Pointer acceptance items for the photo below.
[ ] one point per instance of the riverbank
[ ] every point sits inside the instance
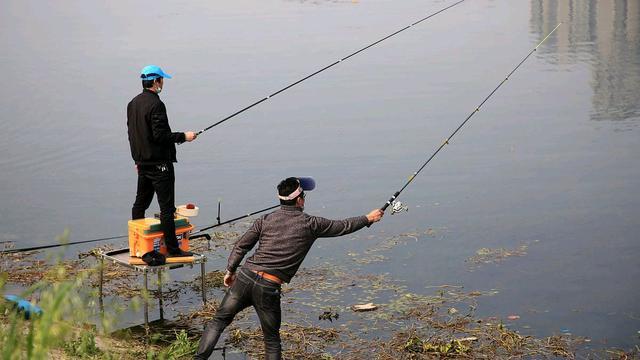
(318, 319)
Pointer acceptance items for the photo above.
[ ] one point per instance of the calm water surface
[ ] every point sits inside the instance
(550, 161)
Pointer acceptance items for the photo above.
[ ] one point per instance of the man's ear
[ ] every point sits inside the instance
(299, 201)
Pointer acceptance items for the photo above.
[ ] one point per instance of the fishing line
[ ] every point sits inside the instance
(327, 67)
(42, 247)
(477, 109)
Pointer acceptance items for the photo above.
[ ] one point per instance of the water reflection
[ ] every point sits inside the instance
(606, 34)
(320, 2)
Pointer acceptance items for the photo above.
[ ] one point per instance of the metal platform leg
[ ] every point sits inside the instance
(160, 294)
(100, 301)
(146, 303)
(204, 291)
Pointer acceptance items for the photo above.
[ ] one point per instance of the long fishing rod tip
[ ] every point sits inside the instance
(329, 66)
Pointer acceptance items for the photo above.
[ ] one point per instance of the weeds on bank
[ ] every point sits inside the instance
(82, 347)
(302, 342)
(66, 292)
(61, 288)
(63, 309)
(61, 328)
(182, 346)
(412, 326)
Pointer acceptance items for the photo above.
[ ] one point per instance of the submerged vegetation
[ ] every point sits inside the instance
(320, 320)
(495, 256)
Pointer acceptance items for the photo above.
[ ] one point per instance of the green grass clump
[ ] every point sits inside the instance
(83, 347)
(181, 347)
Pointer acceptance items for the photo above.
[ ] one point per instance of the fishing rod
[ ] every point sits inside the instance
(42, 247)
(235, 219)
(477, 109)
(327, 67)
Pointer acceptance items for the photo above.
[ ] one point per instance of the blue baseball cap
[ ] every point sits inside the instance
(307, 183)
(152, 72)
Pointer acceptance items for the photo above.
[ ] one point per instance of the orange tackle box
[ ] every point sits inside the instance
(146, 235)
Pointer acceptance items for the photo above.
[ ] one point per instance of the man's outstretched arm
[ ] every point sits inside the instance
(329, 228)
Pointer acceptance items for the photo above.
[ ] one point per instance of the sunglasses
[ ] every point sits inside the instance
(150, 76)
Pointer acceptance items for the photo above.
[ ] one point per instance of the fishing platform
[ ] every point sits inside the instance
(122, 258)
(146, 236)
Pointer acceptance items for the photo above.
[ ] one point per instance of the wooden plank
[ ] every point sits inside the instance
(170, 260)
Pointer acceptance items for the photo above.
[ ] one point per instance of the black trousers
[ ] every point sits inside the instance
(158, 179)
(248, 289)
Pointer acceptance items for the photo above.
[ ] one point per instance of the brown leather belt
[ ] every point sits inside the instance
(269, 277)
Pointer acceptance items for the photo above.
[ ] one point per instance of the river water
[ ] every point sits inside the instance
(550, 161)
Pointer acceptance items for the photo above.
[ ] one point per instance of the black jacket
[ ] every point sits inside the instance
(150, 136)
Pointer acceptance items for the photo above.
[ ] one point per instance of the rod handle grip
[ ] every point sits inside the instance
(386, 205)
(197, 133)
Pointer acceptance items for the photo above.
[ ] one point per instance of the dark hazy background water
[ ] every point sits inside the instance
(552, 157)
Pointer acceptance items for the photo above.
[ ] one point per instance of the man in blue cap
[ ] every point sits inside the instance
(284, 238)
(153, 149)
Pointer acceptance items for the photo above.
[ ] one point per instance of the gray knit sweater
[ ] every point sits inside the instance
(284, 238)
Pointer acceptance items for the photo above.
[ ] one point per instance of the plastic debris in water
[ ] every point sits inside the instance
(364, 307)
(397, 207)
(469, 338)
(24, 306)
(513, 317)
